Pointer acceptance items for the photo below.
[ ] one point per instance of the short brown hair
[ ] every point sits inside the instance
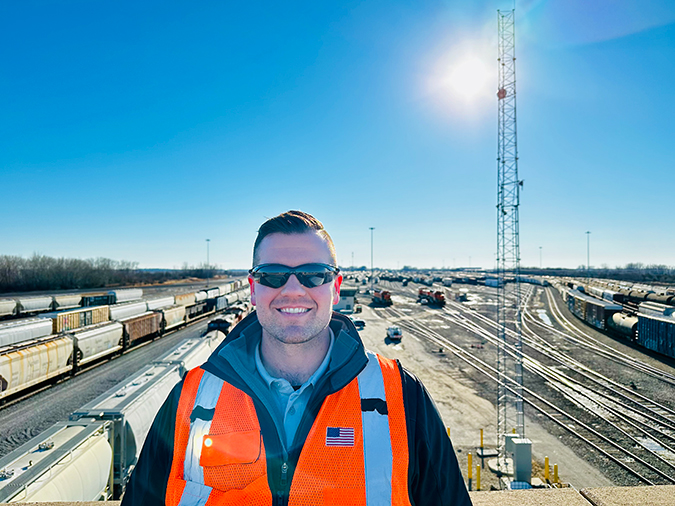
(293, 222)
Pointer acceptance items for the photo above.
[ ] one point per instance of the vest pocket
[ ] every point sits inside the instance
(344, 497)
(243, 447)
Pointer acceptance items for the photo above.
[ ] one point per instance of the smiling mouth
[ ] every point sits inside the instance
(293, 310)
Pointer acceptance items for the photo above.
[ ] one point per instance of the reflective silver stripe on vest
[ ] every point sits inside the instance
(377, 453)
(195, 492)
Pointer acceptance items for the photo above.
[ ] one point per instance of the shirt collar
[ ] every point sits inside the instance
(312, 379)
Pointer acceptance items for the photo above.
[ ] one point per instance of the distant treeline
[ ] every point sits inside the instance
(41, 272)
(633, 272)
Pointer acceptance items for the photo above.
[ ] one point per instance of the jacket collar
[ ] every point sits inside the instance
(234, 360)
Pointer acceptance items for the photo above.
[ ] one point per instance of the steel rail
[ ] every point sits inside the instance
(483, 367)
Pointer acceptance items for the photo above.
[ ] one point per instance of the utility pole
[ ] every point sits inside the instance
(208, 267)
(508, 235)
(371, 259)
(588, 254)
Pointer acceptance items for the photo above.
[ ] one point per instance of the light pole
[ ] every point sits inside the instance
(588, 253)
(371, 259)
(208, 271)
(540, 257)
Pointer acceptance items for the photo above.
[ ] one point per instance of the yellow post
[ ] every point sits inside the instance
(448, 431)
(477, 477)
(514, 430)
(555, 473)
(546, 472)
(470, 469)
(481, 439)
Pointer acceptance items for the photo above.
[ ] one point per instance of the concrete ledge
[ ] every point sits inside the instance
(532, 497)
(605, 496)
(663, 495)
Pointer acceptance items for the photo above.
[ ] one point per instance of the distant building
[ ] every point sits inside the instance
(347, 299)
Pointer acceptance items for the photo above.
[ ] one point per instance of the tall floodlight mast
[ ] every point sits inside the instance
(508, 242)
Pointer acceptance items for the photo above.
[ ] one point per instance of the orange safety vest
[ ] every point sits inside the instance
(356, 452)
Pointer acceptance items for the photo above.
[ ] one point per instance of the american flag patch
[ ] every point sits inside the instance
(339, 436)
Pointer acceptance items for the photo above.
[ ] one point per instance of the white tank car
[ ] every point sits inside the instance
(22, 366)
(67, 301)
(132, 406)
(194, 351)
(173, 316)
(27, 329)
(31, 304)
(160, 303)
(97, 341)
(71, 461)
(7, 307)
(127, 310)
(127, 294)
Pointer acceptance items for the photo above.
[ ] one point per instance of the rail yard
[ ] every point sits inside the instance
(601, 396)
(598, 404)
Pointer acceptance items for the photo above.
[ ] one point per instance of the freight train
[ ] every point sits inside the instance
(382, 298)
(623, 294)
(34, 351)
(91, 456)
(431, 297)
(649, 325)
(30, 305)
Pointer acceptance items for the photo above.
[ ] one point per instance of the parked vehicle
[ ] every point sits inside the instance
(359, 324)
(394, 333)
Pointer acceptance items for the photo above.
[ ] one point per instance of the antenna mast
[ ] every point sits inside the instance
(508, 241)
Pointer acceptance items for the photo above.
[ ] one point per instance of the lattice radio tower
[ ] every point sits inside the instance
(508, 241)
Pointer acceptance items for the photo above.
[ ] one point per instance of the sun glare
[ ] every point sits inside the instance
(462, 80)
(469, 78)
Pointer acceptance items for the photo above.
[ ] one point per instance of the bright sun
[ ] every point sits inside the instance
(469, 78)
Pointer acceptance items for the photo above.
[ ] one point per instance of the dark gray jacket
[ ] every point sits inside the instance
(433, 474)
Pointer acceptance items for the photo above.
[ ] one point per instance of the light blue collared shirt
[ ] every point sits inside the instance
(290, 403)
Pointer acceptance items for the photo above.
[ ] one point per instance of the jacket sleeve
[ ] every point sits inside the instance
(148, 481)
(434, 477)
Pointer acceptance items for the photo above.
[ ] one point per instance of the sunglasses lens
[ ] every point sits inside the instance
(273, 280)
(309, 275)
(314, 279)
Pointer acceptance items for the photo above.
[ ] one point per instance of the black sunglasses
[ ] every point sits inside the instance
(309, 275)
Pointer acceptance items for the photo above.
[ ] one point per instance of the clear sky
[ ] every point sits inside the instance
(137, 130)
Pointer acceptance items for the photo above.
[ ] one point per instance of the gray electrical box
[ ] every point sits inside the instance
(508, 442)
(522, 459)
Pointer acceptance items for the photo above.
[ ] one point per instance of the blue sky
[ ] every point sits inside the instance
(136, 130)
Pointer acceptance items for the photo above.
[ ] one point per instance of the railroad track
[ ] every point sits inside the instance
(634, 437)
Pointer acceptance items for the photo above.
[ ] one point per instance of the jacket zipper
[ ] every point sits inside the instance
(283, 494)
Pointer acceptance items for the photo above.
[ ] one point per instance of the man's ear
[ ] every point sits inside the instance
(336, 285)
(251, 285)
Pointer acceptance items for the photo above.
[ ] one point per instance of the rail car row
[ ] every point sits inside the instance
(90, 456)
(630, 418)
(36, 351)
(649, 324)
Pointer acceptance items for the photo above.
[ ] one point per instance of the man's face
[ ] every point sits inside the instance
(294, 313)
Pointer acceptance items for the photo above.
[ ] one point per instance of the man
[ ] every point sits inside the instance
(291, 408)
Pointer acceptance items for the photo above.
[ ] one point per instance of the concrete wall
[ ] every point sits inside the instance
(607, 496)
